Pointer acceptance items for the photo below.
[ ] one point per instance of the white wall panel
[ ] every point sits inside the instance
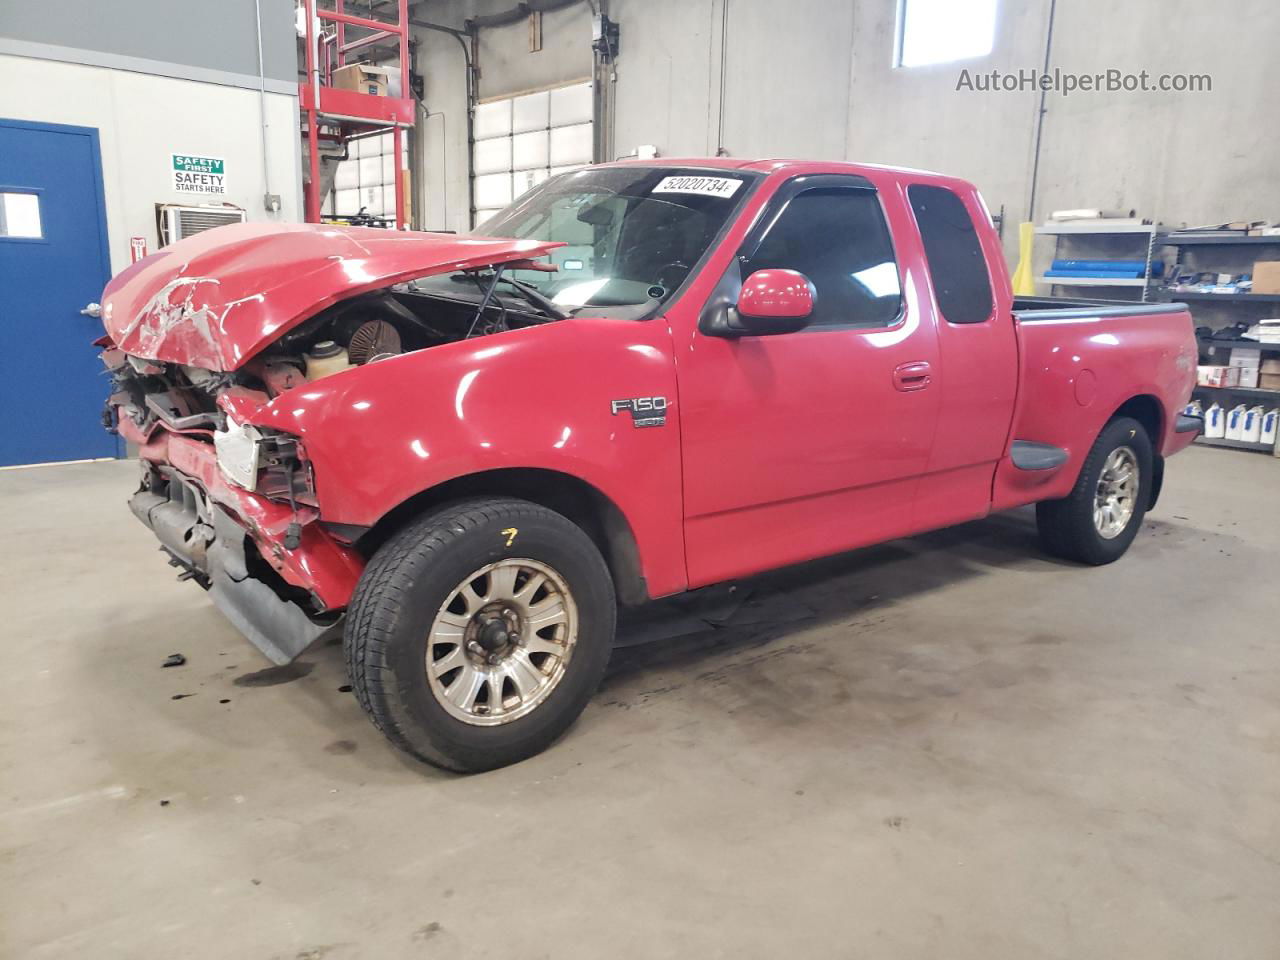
(493, 155)
(493, 190)
(551, 127)
(571, 105)
(531, 112)
(492, 119)
(571, 145)
(529, 150)
(137, 170)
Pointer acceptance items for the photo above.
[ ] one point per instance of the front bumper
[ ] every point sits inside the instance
(232, 542)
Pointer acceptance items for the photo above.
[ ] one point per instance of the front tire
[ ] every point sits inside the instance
(478, 633)
(1098, 520)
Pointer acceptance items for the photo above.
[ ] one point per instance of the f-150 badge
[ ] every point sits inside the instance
(645, 411)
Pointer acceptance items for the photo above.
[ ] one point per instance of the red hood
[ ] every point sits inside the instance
(216, 299)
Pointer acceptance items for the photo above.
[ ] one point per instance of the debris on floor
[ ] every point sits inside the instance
(174, 660)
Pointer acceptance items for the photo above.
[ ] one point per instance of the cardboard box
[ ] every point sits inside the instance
(364, 78)
(1218, 376)
(1270, 365)
(1269, 381)
(1266, 276)
(1248, 362)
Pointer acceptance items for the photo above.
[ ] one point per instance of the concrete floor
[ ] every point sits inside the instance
(948, 746)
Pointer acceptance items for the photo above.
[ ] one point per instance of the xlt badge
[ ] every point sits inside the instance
(645, 411)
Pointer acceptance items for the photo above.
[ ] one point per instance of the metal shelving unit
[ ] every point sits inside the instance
(1167, 240)
(1099, 229)
(1234, 444)
(1198, 295)
(1181, 243)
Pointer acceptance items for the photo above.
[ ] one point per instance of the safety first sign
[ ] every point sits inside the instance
(204, 175)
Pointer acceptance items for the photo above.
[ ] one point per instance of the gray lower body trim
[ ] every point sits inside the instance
(1188, 424)
(1031, 309)
(157, 68)
(1028, 455)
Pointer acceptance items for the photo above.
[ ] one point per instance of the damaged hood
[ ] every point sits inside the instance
(216, 299)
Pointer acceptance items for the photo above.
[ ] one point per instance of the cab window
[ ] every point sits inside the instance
(961, 283)
(838, 238)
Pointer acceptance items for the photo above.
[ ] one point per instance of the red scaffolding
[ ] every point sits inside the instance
(350, 114)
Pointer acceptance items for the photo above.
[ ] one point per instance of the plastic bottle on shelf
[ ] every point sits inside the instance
(1267, 431)
(1235, 422)
(1215, 421)
(1251, 430)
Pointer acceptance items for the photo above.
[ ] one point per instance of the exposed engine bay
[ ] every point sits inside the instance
(352, 333)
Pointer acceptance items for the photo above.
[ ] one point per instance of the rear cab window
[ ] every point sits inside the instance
(961, 281)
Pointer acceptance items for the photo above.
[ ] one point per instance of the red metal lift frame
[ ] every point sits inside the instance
(319, 100)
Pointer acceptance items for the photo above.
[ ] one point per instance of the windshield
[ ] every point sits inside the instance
(633, 233)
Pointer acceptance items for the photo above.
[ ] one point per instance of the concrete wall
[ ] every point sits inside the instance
(142, 120)
(214, 38)
(815, 78)
(158, 77)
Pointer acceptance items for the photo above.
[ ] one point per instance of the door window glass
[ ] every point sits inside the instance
(959, 270)
(20, 215)
(838, 238)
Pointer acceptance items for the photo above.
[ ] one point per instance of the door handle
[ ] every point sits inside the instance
(912, 376)
(92, 310)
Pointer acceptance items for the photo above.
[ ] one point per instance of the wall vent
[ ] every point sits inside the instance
(176, 222)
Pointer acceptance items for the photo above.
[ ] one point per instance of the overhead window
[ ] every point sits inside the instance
(961, 282)
(365, 183)
(837, 237)
(940, 31)
(522, 141)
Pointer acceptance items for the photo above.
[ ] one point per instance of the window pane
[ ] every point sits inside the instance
(492, 119)
(571, 105)
(20, 215)
(939, 31)
(571, 145)
(837, 238)
(492, 156)
(960, 281)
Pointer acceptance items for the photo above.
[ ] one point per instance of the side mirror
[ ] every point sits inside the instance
(775, 301)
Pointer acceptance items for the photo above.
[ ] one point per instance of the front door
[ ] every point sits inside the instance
(53, 263)
(803, 444)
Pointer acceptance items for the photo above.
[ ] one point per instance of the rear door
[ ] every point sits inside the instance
(979, 353)
(804, 444)
(53, 263)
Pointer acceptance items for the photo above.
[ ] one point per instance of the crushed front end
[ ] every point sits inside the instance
(205, 341)
(232, 505)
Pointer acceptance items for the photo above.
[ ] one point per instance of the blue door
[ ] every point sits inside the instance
(53, 264)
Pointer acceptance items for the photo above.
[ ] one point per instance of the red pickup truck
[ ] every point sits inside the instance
(640, 378)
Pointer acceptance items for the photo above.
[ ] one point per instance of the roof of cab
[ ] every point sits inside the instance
(782, 165)
(774, 165)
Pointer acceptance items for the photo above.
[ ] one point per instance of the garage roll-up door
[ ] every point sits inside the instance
(522, 140)
(367, 181)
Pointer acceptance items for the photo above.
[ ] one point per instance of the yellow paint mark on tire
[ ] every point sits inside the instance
(510, 534)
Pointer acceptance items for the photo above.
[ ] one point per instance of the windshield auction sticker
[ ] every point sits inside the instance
(702, 186)
(199, 174)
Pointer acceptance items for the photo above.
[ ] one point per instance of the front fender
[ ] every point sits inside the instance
(540, 397)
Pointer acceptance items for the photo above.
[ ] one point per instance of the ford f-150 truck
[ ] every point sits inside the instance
(640, 378)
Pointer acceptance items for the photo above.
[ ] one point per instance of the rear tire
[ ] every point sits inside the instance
(1098, 520)
(529, 601)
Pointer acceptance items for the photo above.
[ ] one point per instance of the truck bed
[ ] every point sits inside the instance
(1081, 362)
